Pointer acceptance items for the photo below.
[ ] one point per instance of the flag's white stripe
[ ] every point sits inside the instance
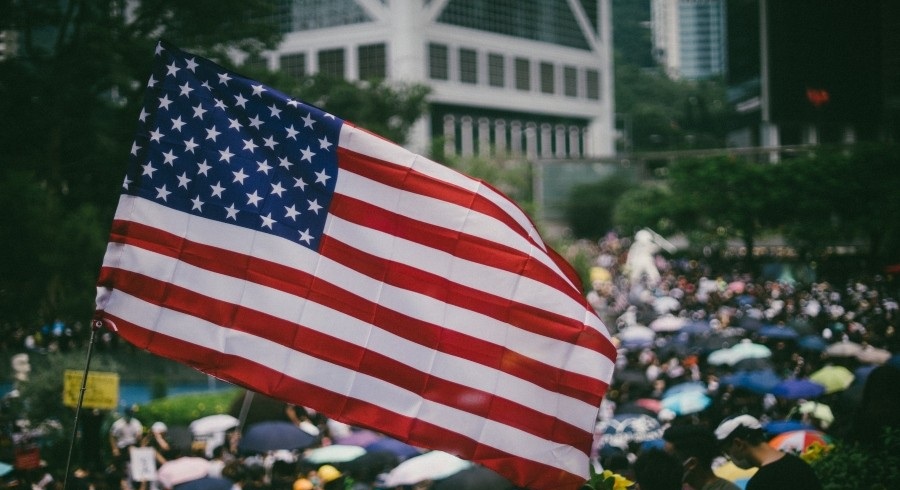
(323, 319)
(362, 142)
(347, 382)
(241, 240)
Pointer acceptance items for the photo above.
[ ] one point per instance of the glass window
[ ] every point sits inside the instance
(496, 73)
(468, 66)
(570, 81)
(438, 62)
(372, 61)
(592, 84)
(548, 76)
(331, 62)
(523, 74)
(294, 65)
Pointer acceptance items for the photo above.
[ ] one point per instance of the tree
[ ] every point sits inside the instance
(589, 209)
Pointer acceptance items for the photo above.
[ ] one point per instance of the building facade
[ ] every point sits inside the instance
(527, 77)
(689, 38)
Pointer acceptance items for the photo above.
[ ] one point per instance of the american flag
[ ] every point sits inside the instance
(275, 246)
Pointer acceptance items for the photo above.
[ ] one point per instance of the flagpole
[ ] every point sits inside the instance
(95, 325)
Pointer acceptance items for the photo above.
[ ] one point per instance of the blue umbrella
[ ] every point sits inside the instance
(779, 332)
(687, 402)
(797, 388)
(268, 436)
(756, 381)
(814, 343)
(692, 386)
(696, 327)
(398, 448)
(781, 426)
(206, 483)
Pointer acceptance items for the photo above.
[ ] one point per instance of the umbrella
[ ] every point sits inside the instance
(797, 441)
(873, 355)
(812, 343)
(687, 402)
(818, 411)
(738, 352)
(757, 364)
(475, 477)
(779, 332)
(182, 470)
(690, 386)
(665, 304)
(359, 437)
(756, 381)
(696, 327)
(206, 483)
(399, 448)
(367, 467)
(273, 435)
(213, 424)
(335, 453)
(668, 323)
(623, 429)
(844, 348)
(732, 473)
(797, 388)
(833, 378)
(636, 336)
(432, 465)
(781, 426)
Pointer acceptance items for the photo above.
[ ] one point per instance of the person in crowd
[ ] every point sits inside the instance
(743, 440)
(656, 469)
(696, 447)
(124, 433)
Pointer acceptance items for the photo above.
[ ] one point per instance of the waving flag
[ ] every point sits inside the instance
(275, 246)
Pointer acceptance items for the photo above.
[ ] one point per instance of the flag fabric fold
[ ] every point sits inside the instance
(273, 245)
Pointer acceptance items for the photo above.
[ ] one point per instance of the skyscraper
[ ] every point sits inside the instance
(689, 37)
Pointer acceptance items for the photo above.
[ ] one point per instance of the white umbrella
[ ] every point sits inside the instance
(668, 323)
(182, 470)
(213, 424)
(432, 465)
(335, 453)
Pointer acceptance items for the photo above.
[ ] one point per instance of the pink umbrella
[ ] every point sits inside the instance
(182, 470)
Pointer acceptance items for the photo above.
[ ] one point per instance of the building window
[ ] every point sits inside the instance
(372, 62)
(438, 62)
(496, 73)
(256, 63)
(294, 65)
(468, 66)
(570, 81)
(548, 75)
(331, 62)
(523, 74)
(592, 84)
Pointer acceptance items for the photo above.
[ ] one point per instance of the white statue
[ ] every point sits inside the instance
(641, 259)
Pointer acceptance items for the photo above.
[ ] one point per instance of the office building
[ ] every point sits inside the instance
(689, 38)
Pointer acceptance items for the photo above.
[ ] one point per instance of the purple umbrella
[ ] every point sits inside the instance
(793, 389)
(359, 437)
(399, 448)
(263, 437)
(756, 381)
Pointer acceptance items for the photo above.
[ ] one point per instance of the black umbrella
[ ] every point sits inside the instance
(263, 437)
(367, 467)
(476, 477)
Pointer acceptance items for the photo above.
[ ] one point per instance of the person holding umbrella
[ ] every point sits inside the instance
(742, 439)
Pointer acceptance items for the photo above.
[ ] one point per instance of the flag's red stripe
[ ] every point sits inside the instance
(409, 180)
(467, 247)
(352, 411)
(292, 281)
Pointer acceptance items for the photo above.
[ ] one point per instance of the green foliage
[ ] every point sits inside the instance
(511, 177)
(648, 205)
(183, 409)
(589, 209)
(854, 467)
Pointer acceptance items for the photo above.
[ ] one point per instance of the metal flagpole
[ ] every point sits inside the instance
(95, 325)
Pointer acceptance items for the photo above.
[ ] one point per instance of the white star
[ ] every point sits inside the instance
(276, 112)
(183, 180)
(305, 236)
(198, 204)
(283, 162)
(206, 85)
(172, 69)
(264, 167)
(329, 116)
(159, 48)
(177, 123)
(217, 189)
(314, 206)
(169, 158)
(224, 78)
(324, 144)
(232, 212)
(239, 176)
(307, 154)
(164, 102)
(291, 212)
(191, 64)
(258, 90)
(126, 182)
(143, 115)
(253, 199)
(155, 135)
(255, 122)
(148, 169)
(277, 189)
(198, 111)
(249, 145)
(186, 89)
(269, 142)
(225, 155)
(152, 82)
(234, 124)
(204, 168)
(293, 103)
(308, 121)
(211, 133)
(189, 145)
(240, 100)
(134, 148)
(300, 183)
(322, 177)
(219, 104)
(267, 221)
(291, 132)
(162, 193)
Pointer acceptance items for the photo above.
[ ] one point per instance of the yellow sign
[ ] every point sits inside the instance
(101, 390)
